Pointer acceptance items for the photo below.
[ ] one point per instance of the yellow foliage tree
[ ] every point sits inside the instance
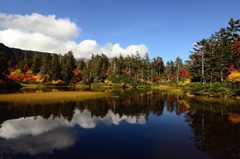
(17, 72)
(186, 82)
(107, 81)
(234, 77)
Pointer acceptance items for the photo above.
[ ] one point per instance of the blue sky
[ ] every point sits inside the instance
(162, 28)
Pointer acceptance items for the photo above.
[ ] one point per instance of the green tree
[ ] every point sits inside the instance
(3, 65)
(199, 57)
(68, 65)
(43, 67)
(120, 65)
(36, 64)
(168, 69)
(146, 66)
(222, 54)
(56, 69)
(233, 29)
(158, 65)
(179, 65)
(81, 65)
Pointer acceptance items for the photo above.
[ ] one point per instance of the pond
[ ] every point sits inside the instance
(128, 124)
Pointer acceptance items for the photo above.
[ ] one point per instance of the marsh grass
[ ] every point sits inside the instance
(217, 100)
(50, 97)
(174, 90)
(27, 86)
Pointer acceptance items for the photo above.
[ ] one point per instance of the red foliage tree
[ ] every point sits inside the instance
(129, 75)
(184, 74)
(124, 71)
(25, 67)
(157, 79)
(232, 69)
(77, 76)
(236, 48)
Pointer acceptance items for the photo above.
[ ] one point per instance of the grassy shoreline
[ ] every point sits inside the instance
(170, 89)
(50, 97)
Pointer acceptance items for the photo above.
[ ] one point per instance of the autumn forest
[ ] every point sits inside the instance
(213, 68)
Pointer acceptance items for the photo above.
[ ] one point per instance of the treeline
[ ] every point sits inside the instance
(211, 61)
(121, 69)
(132, 69)
(97, 69)
(49, 66)
(214, 58)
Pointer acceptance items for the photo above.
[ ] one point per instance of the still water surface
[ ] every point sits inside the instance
(130, 124)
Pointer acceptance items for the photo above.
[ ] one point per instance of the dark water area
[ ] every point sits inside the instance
(129, 124)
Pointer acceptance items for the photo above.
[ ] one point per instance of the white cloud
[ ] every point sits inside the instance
(48, 34)
(47, 25)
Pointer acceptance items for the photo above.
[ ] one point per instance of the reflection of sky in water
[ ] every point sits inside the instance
(59, 138)
(172, 130)
(34, 136)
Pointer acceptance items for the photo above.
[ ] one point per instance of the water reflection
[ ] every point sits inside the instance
(55, 139)
(37, 125)
(43, 129)
(216, 128)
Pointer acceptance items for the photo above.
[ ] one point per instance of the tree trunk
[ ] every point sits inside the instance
(129, 69)
(114, 67)
(211, 79)
(152, 77)
(148, 72)
(178, 73)
(221, 75)
(203, 77)
(159, 71)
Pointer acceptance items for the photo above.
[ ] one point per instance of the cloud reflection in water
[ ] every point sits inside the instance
(50, 134)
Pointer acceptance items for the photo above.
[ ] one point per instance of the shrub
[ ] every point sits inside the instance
(142, 83)
(113, 79)
(192, 91)
(86, 82)
(197, 86)
(123, 79)
(206, 86)
(216, 87)
(225, 83)
(17, 72)
(236, 92)
(119, 79)
(133, 82)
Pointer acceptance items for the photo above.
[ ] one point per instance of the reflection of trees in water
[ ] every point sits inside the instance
(14, 111)
(129, 103)
(215, 127)
(213, 134)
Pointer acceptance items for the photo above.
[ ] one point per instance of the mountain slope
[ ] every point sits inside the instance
(17, 52)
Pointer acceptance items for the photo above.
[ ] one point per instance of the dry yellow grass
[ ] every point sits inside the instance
(164, 87)
(170, 89)
(50, 97)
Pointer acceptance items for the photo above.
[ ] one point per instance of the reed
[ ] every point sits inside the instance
(50, 97)
(218, 100)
